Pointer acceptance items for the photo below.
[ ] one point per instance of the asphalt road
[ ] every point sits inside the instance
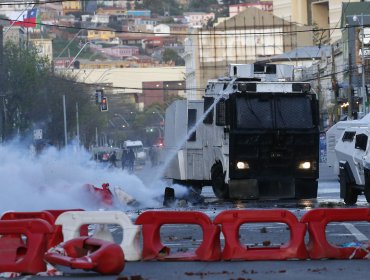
(185, 238)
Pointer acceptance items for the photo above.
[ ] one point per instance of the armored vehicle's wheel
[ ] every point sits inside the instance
(367, 192)
(367, 184)
(220, 188)
(348, 193)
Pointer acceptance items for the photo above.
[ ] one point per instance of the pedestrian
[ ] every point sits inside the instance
(113, 159)
(124, 158)
(153, 155)
(131, 159)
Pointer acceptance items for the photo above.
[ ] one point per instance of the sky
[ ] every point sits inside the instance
(55, 179)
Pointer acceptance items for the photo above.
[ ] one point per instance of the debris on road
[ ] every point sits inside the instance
(123, 197)
(263, 230)
(169, 197)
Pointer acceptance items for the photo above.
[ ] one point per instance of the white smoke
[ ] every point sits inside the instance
(55, 179)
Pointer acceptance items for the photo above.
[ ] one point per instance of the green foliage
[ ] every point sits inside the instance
(232, 2)
(34, 98)
(201, 6)
(171, 55)
(320, 37)
(161, 6)
(72, 50)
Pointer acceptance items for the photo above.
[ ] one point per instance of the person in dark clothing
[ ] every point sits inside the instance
(124, 158)
(113, 159)
(131, 159)
(153, 155)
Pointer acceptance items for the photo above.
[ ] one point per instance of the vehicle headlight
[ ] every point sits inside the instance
(242, 165)
(304, 165)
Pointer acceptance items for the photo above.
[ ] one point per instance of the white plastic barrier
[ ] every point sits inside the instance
(72, 221)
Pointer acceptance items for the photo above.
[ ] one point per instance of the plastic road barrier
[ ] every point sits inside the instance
(15, 255)
(58, 234)
(48, 215)
(29, 215)
(151, 221)
(318, 246)
(234, 250)
(53, 239)
(72, 221)
(86, 253)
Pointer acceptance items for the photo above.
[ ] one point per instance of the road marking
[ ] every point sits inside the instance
(358, 234)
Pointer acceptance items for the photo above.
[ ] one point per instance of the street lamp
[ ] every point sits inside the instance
(363, 90)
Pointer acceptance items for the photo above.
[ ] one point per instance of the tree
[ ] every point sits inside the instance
(320, 37)
(232, 2)
(161, 7)
(201, 6)
(171, 55)
(33, 98)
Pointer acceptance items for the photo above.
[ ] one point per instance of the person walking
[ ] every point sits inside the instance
(153, 155)
(124, 158)
(131, 159)
(113, 159)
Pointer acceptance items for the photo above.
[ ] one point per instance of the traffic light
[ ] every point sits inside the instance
(99, 94)
(104, 104)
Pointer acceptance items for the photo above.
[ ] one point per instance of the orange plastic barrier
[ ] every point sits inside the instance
(16, 255)
(232, 220)
(318, 247)
(151, 221)
(86, 253)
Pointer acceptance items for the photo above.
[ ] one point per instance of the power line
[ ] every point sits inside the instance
(210, 33)
(350, 70)
(13, 3)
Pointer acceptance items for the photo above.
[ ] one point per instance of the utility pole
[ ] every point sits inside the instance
(96, 137)
(350, 97)
(65, 120)
(319, 89)
(363, 90)
(77, 125)
(334, 84)
(2, 94)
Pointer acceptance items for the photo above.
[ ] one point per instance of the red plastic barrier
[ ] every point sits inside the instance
(318, 247)
(234, 250)
(86, 253)
(29, 215)
(15, 255)
(151, 221)
(50, 216)
(53, 239)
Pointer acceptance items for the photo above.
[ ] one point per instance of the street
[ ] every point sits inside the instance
(180, 237)
(183, 238)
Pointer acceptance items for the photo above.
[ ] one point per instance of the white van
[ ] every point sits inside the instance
(137, 147)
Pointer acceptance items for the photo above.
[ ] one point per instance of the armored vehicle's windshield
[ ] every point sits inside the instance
(273, 112)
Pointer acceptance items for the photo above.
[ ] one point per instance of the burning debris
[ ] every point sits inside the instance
(191, 196)
(105, 197)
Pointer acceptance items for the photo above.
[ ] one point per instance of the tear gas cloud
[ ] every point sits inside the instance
(55, 178)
